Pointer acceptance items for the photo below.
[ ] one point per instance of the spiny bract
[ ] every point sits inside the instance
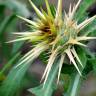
(57, 34)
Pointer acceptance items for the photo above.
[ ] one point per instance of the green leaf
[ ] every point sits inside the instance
(82, 55)
(1, 13)
(12, 83)
(38, 2)
(4, 46)
(5, 23)
(75, 81)
(53, 10)
(93, 62)
(75, 77)
(81, 13)
(15, 77)
(8, 65)
(17, 7)
(16, 47)
(49, 87)
(68, 69)
(90, 29)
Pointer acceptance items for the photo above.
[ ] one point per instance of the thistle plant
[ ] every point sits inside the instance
(58, 34)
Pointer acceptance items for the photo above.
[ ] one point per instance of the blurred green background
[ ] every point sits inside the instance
(11, 52)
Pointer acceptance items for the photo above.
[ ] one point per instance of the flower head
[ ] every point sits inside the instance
(57, 34)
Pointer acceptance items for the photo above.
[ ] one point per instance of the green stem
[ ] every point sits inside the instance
(75, 77)
(75, 85)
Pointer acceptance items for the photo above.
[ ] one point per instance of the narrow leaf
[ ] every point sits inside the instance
(49, 87)
(37, 10)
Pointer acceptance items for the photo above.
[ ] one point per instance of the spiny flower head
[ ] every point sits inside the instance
(57, 34)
